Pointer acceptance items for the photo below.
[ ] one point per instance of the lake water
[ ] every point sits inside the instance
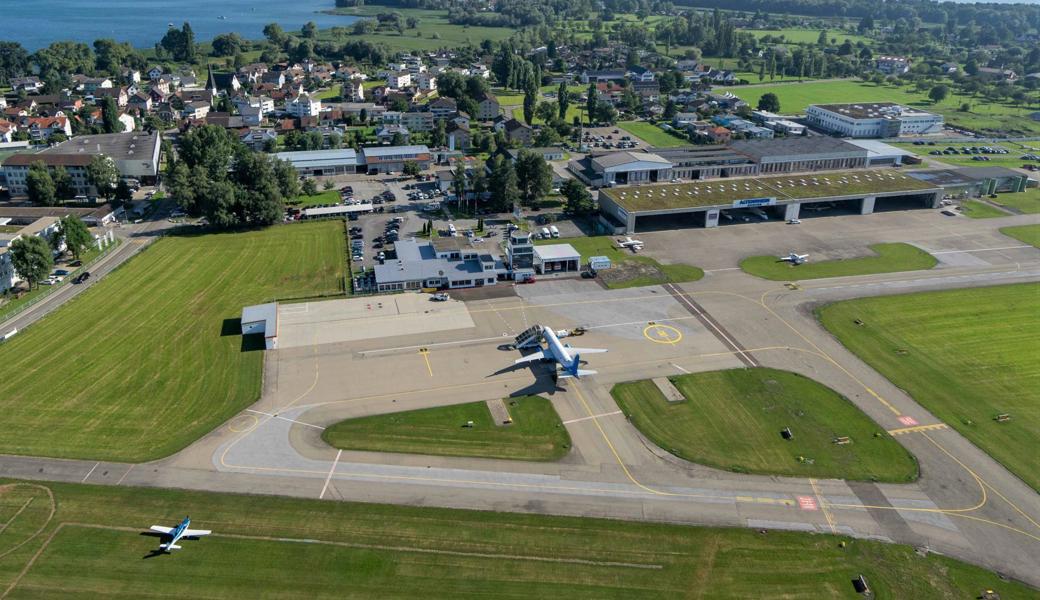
(37, 23)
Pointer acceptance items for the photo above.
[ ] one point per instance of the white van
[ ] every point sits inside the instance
(545, 233)
(451, 230)
(554, 231)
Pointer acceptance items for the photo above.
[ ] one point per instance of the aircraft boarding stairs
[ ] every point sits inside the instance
(529, 338)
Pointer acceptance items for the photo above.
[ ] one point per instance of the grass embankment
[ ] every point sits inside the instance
(627, 270)
(985, 116)
(1027, 234)
(890, 258)
(433, 32)
(978, 209)
(291, 547)
(965, 355)
(535, 434)
(151, 357)
(1027, 202)
(652, 134)
(732, 420)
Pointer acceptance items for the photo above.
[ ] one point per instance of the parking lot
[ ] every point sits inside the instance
(611, 138)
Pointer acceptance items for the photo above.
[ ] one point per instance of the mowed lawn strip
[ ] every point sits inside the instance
(1027, 202)
(1027, 234)
(406, 552)
(890, 258)
(150, 358)
(977, 209)
(733, 420)
(653, 272)
(965, 355)
(536, 432)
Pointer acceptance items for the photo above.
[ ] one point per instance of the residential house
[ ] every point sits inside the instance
(16, 170)
(354, 90)
(518, 131)
(443, 108)
(458, 137)
(196, 110)
(386, 133)
(119, 94)
(304, 105)
(718, 134)
(641, 74)
(648, 91)
(30, 85)
(140, 102)
(275, 78)
(165, 112)
(992, 74)
(130, 76)
(949, 68)
(252, 72)
(603, 76)
(418, 120)
(399, 80)
(892, 65)
(461, 119)
(252, 116)
(7, 131)
(426, 82)
(257, 139)
(155, 73)
(41, 128)
(488, 107)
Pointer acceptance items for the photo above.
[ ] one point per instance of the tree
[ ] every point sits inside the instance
(310, 187)
(275, 34)
(75, 234)
(411, 168)
(591, 103)
(938, 93)
(123, 194)
(110, 115)
(63, 188)
(112, 56)
(821, 40)
(769, 102)
(102, 174)
(563, 100)
(210, 147)
(529, 102)
(533, 177)
(32, 259)
(309, 30)
(228, 44)
(40, 185)
(546, 111)
(14, 60)
(503, 184)
(287, 179)
(458, 182)
(328, 185)
(579, 200)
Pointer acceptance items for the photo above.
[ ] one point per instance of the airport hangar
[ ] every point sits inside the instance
(624, 210)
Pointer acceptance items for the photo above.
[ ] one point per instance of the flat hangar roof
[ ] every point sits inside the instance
(724, 192)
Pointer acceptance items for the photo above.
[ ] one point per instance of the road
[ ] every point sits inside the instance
(965, 504)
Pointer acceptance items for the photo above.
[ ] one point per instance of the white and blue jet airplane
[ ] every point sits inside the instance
(567, 357)
(177, 533)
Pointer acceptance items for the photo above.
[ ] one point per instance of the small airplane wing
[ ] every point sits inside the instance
(540, 355)
(161, 529)
(585, 350)
(196, 532)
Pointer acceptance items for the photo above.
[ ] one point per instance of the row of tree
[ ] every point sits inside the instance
(32, 257)
(49, 186)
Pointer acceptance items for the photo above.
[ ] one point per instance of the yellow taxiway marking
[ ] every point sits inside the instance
(823, 507)
(905, 430)
(662, 334)
(426, 356)
(246, 423)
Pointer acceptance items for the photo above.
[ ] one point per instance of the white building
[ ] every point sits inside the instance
(426, 82)
(304, 105)
(873, 120)
(42, 227)
(892, 65)
(398, 80)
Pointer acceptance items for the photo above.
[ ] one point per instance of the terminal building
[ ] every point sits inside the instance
(873, 120)
(711, 203)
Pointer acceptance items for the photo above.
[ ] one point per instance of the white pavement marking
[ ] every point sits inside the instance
(719, 270)
(285, 419)
(609, 414)
(680, 368)
(418, 346)
(681, 297)
(125, 474)
(89, 472)
(983, 249)
(325, 487)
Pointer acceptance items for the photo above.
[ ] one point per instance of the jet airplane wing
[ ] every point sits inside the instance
(540, 355)
(161, 529)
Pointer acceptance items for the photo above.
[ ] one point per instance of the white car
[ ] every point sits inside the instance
(794, 222)
(440, 297)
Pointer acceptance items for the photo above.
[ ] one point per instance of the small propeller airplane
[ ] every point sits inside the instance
(628, 242)
(177, 533)
(794, 258)
(566, 357)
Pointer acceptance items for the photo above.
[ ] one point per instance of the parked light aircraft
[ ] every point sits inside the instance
(795, 258)
(177, 533)
(628, 242)
(568, 358)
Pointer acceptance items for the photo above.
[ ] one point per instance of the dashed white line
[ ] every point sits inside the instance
(89, 472)
(609, 414)
(125, 474)
(325, 487)
(982, 249)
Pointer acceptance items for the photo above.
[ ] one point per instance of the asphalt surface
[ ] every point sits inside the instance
(964, 504)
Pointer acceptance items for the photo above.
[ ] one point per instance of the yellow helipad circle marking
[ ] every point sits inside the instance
(245, 423)
(662, 334)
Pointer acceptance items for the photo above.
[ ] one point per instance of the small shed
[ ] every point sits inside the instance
(556, 258)
(262, 319)
(598, 263)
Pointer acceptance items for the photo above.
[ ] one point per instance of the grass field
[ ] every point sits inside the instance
(1027, 202)
(977, 209)
(536, 432)
(1011, 160)
(732, 420)
(1028, 234)
(890, 258)
(323, 197)
(8, 309)
(434, 30)
(150, 358)
(797, 35)
(332, 92)
(628, 270)
(965, 355)
(652, 134)
(983, 116)
(291, 548)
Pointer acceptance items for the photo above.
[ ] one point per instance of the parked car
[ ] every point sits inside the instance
(85, 275)
(440, 297)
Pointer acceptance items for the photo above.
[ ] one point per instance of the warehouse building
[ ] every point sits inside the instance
(974, 181)
(671, 206)
(620, 168)
(801, 154)
(706, 162)
(135, 153)
(391, 159)
(873, 120)
(322, 162)
(556, 258)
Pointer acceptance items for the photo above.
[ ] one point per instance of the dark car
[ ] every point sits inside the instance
(85, 275)
(590, 274)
